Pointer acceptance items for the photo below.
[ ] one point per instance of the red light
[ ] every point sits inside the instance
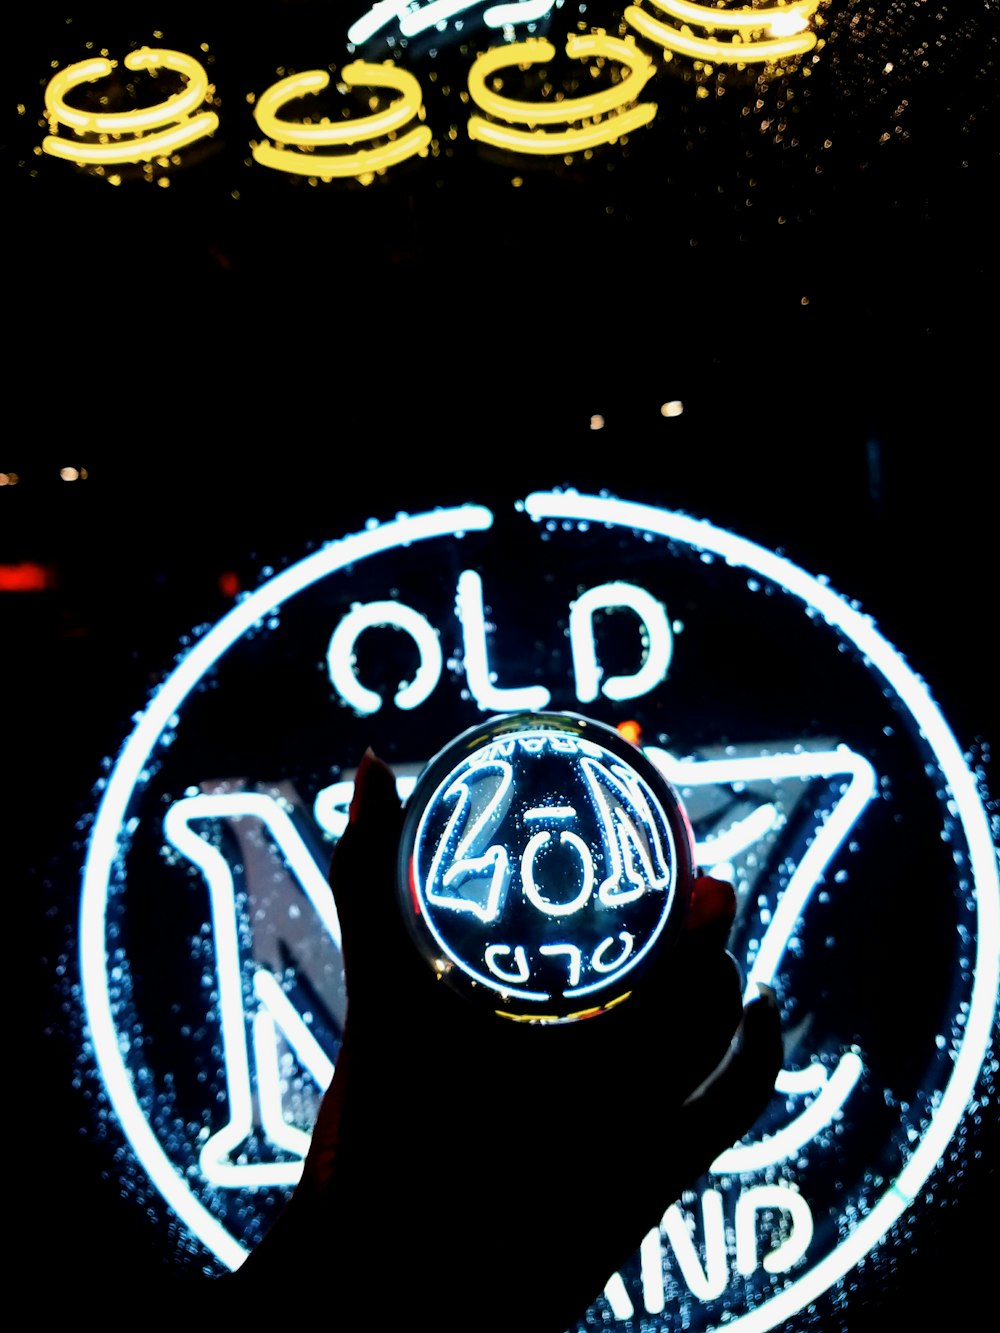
(229, 583)
(631, 731)
(27, 577)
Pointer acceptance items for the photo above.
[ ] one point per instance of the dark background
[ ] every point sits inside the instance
(256, 365)
(130, 585)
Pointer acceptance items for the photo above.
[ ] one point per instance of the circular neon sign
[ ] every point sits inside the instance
(826, 806)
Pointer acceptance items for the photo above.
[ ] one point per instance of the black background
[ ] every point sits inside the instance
(256, 373)
(130, 587)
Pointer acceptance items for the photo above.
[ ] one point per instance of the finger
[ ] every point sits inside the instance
(712, 906)
(362, 870)
(380, 960)
(706, 978)
(737, 1092)
(393, 994)
(714, 1117)
(375, 791)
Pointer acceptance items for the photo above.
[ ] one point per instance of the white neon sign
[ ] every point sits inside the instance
(274, 1008)
(413, 20)
(849, 778)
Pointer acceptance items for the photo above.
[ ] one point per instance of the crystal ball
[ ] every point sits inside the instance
(545, 861)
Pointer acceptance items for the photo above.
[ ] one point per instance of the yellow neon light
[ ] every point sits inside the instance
(567, 1018)
(569, 141)
(326, 165)
(142, 149)
(735, 52)
(536, 50)
(126, 122)
(363, 162)
(399, 113)
(782, 20)
(172, 118)
(604, 108)
(601, 117)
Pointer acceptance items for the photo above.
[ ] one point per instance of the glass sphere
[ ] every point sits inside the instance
(545, 861)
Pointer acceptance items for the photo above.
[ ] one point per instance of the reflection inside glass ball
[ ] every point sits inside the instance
(540, 862)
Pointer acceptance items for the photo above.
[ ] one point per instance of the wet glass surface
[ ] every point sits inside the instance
(769, 305)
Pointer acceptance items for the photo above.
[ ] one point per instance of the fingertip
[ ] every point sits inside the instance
(374, 789)
(362, 876)
(743, 1083)
(712, 904)
(761, 1027)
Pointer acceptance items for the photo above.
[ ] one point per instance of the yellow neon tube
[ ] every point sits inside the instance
(569, 141)
(360, 163)
(707, 48)
(536, 50)
(358, 73)
(140, 149)
(126, 122)
(782, 19)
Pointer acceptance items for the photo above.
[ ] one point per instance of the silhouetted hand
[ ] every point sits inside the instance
(489, 1174)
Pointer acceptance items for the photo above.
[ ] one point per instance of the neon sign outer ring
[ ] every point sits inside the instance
(434, 810)
(108, 843)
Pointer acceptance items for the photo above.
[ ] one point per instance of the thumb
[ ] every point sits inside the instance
(362, 870)
(379, 958)
(736, 1093)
